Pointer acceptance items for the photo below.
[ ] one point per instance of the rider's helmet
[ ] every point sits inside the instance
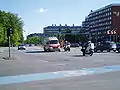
(98, 42)
(89, 41)
(66, 41)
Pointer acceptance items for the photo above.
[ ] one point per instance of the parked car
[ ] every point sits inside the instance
(21, 47)
(118, 47)
(101, 46)
(31, 45)
(74, 45)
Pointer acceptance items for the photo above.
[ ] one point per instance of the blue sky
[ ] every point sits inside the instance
(37, 14)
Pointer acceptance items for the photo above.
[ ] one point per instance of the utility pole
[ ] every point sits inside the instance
(9, 33)
(9, 46)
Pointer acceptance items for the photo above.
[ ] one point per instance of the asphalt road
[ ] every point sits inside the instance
(35, 60)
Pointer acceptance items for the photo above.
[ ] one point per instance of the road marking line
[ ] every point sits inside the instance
(54, 75)
(43, 61)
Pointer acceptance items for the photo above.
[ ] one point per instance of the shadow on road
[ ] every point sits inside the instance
(78, 56)
(36, 52)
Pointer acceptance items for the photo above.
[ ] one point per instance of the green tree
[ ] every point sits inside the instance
(10, 20)
(1, 34)
(33, 40)
(68, 30)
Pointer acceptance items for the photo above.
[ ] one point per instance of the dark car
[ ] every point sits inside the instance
(101, 46)
(74, 45)
(118, 47)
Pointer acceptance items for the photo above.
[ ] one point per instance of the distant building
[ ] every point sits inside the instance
(103, 24)
(36, 34)
(49, 30)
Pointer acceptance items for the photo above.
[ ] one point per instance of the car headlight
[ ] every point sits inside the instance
(51, 47)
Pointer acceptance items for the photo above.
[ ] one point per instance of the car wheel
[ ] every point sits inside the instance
(83, 54)
(101, 50)
(95, 50)
(58, 50)
(118, 50)
(108, 50)
(69, 49)
(91, 53)
(45, 50)
(114, 50)
(65, 50)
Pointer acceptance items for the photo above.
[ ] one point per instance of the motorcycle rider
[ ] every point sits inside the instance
(90, 46)
(67, 46)
(66, 43)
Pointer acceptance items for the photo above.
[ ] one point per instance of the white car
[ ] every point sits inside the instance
(21, 47)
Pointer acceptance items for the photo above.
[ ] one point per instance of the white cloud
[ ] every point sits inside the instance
(42, 10)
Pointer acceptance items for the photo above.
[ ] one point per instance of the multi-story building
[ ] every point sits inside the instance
(36, 34)
(103, 24)
(62, 29)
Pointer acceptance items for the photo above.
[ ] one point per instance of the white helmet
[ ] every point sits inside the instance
(89, 41)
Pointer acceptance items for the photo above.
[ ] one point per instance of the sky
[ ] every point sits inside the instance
(38, 14)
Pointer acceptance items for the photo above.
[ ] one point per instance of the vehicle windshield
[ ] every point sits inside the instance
(53, 42)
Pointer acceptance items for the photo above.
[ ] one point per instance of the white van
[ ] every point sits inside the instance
(51, 44)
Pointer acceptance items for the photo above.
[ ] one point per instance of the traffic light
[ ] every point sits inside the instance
(9, 32)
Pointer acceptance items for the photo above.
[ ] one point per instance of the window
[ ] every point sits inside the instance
(110, 18)
(110, 22)
(104, 10)
(110, 13)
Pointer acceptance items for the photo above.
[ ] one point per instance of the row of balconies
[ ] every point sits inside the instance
(98, 12)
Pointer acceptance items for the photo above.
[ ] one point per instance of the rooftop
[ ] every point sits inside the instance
(108, 6)
(62, 27)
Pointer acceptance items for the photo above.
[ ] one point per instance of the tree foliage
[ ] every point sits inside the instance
(75, 38)
(10, 20)
(68, 30)
(33, 40)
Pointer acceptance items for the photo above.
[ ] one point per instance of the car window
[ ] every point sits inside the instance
(21, 45)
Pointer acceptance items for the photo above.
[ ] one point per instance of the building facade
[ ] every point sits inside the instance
(49, 30)
(103, 24)
(36, 34)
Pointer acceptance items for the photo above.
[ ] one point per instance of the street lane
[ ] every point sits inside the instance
(34, 60)
(106, 81)
(37, 61)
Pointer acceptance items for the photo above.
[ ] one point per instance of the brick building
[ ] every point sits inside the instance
(103, 24)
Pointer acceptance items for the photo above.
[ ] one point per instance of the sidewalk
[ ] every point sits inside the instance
(2, 49)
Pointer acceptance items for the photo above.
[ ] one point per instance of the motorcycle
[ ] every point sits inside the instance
(66, 47)
(85, 51)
